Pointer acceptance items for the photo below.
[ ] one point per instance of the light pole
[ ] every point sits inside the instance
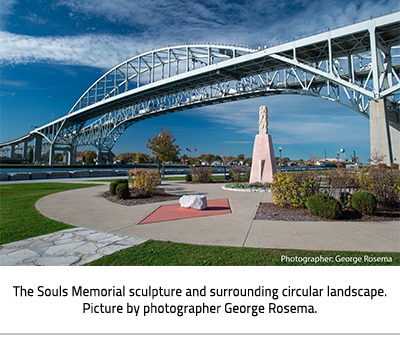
(280, 158)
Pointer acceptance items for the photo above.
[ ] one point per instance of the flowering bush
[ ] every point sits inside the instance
(144, 181)
(295, 188)
(383, 183)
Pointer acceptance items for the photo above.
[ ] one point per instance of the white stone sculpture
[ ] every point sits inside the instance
(263, 120)
(198, 202)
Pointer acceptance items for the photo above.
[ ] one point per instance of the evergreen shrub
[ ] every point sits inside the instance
(325, 206)
(188, 178)
(113, 185)
(122, 191)
(364, 202)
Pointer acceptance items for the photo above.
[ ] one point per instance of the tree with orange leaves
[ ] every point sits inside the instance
(162, 146)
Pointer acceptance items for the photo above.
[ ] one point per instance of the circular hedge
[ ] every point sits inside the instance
(122, 191)
(364, 202)
(325, 206)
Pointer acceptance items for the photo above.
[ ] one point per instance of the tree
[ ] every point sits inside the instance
(209, 158)
(376, 158)
(90, 156)
(127, 157)
(223, 153)
(240, 157)
(58, 157)
(162, 146)
(142, 157)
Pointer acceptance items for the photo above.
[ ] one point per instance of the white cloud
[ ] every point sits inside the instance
(250, 22)
(167, 22)
(34, 19)
(292, 121)
(102, 51)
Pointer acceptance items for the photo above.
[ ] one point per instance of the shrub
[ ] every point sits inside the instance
(235, 173)
(384, 184)
(253, 186)
(201, 174)
(188, 178)
(295, 188)
(325, 206)
(144, 181)
(364, 202)
(113, 185)
(340, 165)
(382, 166)
(122, 190)
(394, 166)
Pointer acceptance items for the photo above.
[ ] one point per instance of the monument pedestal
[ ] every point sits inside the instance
(263, 166)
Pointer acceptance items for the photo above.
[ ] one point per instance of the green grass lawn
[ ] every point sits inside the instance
(19, 218)
(157, 253)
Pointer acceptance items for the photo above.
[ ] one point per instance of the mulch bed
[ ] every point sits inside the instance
(272, 212)
(159, 196)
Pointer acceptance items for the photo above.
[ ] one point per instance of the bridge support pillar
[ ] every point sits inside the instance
(72, 155)
(51, 154)
(12, 151)
(37, 154)
(384, 139)
(394, 132)
(110, 157)
(99, 158)
(25, 151)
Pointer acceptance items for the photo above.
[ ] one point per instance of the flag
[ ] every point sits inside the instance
(195, 150)
(187, 149)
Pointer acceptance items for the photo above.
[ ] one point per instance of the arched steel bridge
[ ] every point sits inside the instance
(355, 65)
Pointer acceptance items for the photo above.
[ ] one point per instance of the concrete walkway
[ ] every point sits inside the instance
(87, 209)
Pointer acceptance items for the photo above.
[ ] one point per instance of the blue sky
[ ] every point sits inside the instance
(52, 51)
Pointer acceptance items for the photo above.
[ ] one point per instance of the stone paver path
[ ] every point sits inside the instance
(69, 247)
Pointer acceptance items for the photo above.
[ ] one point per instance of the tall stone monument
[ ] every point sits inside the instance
(263, 165)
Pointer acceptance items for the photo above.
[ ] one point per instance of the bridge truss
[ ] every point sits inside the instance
(351, 65)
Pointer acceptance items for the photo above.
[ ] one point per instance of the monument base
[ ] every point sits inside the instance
(263, 166)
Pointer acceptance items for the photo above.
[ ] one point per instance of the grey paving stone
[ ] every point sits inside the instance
(15, 257)
(75, 246)
(57, 260)
(63, 248)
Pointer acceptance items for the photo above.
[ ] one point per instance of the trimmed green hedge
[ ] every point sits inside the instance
(325, 206)
(113, 185)
(122, 190)
(364, 202)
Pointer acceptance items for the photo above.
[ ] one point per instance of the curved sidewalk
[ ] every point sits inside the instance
(86, 208)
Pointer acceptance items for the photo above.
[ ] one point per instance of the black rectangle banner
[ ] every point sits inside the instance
(200, 301)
